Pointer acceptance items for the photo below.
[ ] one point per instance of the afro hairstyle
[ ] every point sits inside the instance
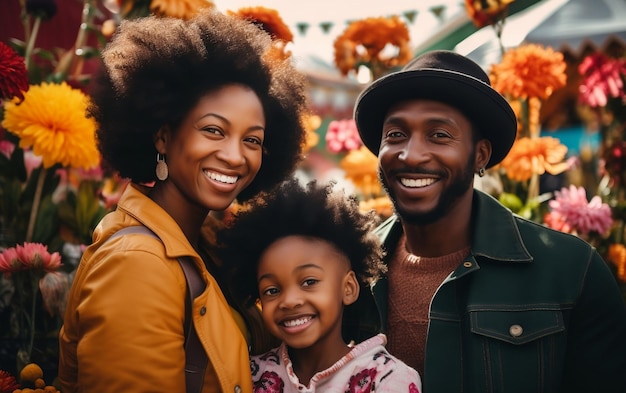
(155, 70)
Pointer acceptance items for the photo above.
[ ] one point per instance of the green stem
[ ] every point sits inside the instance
(31, 41)
(34, 289)
(36, 202)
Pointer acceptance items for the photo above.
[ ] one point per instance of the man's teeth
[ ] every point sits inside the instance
(417, 182)
(297, 322)
(222, 178)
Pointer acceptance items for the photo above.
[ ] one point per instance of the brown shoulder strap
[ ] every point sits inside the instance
(196, 359)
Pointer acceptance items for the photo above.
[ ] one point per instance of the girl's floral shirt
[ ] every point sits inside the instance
(367, 368)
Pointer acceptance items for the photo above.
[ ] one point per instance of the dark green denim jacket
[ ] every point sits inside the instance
(529, 310)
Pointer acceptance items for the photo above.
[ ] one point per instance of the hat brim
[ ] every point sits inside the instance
(485, 107)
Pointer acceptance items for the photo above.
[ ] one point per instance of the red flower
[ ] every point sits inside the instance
(269, 382)
(13, 75)
(7, 382)
(362, 382)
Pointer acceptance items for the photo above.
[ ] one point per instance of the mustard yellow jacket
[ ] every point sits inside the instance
(123, 327)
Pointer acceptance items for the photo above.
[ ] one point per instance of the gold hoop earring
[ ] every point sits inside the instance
(481, 172)
(161, 168)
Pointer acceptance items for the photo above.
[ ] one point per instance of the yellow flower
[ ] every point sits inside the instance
(31, 372)
(311, 124)
(181, 9)
(52, 120)
(381, 205)
(361, 167)
(529, 71)
(530, 156)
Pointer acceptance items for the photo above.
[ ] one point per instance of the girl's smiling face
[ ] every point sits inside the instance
(304, 284)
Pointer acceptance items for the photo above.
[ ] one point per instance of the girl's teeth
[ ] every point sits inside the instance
(296, 322)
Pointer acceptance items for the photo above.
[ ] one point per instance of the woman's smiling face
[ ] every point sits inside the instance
(217, 150)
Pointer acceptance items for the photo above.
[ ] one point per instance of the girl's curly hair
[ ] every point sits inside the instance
(314, 211)
(154, 71)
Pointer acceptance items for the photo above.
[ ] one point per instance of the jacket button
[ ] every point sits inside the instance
(237, 389)
(202, 310)
(516, 330)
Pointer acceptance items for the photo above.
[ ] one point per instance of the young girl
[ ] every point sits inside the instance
(305, 253)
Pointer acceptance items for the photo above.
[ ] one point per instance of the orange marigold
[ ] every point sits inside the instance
(530, 156)
(267, 19)
(363, 41)
(617, 255)
(529, 71)
(182, 9)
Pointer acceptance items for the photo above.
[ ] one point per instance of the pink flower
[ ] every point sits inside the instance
(10, 261)
(603, 79)
(36, 256)
(413, 388)
(570, 209)
(342, 135)
(6, 148)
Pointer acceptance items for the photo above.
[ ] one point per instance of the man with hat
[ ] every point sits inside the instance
(476, 298)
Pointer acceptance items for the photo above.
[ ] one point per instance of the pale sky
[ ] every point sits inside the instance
(339, 12)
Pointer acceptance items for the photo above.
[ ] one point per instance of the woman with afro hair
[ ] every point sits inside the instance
(303, 254)
(197, 114)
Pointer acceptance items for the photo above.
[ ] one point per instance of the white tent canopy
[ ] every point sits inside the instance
(561, 24)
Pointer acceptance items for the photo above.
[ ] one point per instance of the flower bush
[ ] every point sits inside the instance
(52, 187)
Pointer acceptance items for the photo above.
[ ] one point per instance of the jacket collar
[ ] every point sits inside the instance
(138, 205)
(496, 234)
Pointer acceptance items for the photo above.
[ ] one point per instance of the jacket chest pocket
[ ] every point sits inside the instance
(516, 349)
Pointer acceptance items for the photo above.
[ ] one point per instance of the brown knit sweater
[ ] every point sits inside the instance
(412, 284)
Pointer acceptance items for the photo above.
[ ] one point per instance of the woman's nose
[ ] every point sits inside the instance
(231, 152)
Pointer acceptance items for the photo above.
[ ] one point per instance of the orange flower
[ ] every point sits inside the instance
(267, 19)
(182, 9)
(484, 13)
(363, 41)
(529, 71)
(381, 205)
(361, 167)
(535, 155)
(617, 255)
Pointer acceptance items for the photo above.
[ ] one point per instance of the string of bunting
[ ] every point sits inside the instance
(409, 15)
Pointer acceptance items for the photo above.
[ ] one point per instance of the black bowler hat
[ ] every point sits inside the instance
(447, 77)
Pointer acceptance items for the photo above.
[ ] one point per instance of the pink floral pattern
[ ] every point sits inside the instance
(367, 368)
(269, 382)
(362, 382)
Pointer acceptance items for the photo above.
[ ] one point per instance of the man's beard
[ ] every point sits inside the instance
(459, 186)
